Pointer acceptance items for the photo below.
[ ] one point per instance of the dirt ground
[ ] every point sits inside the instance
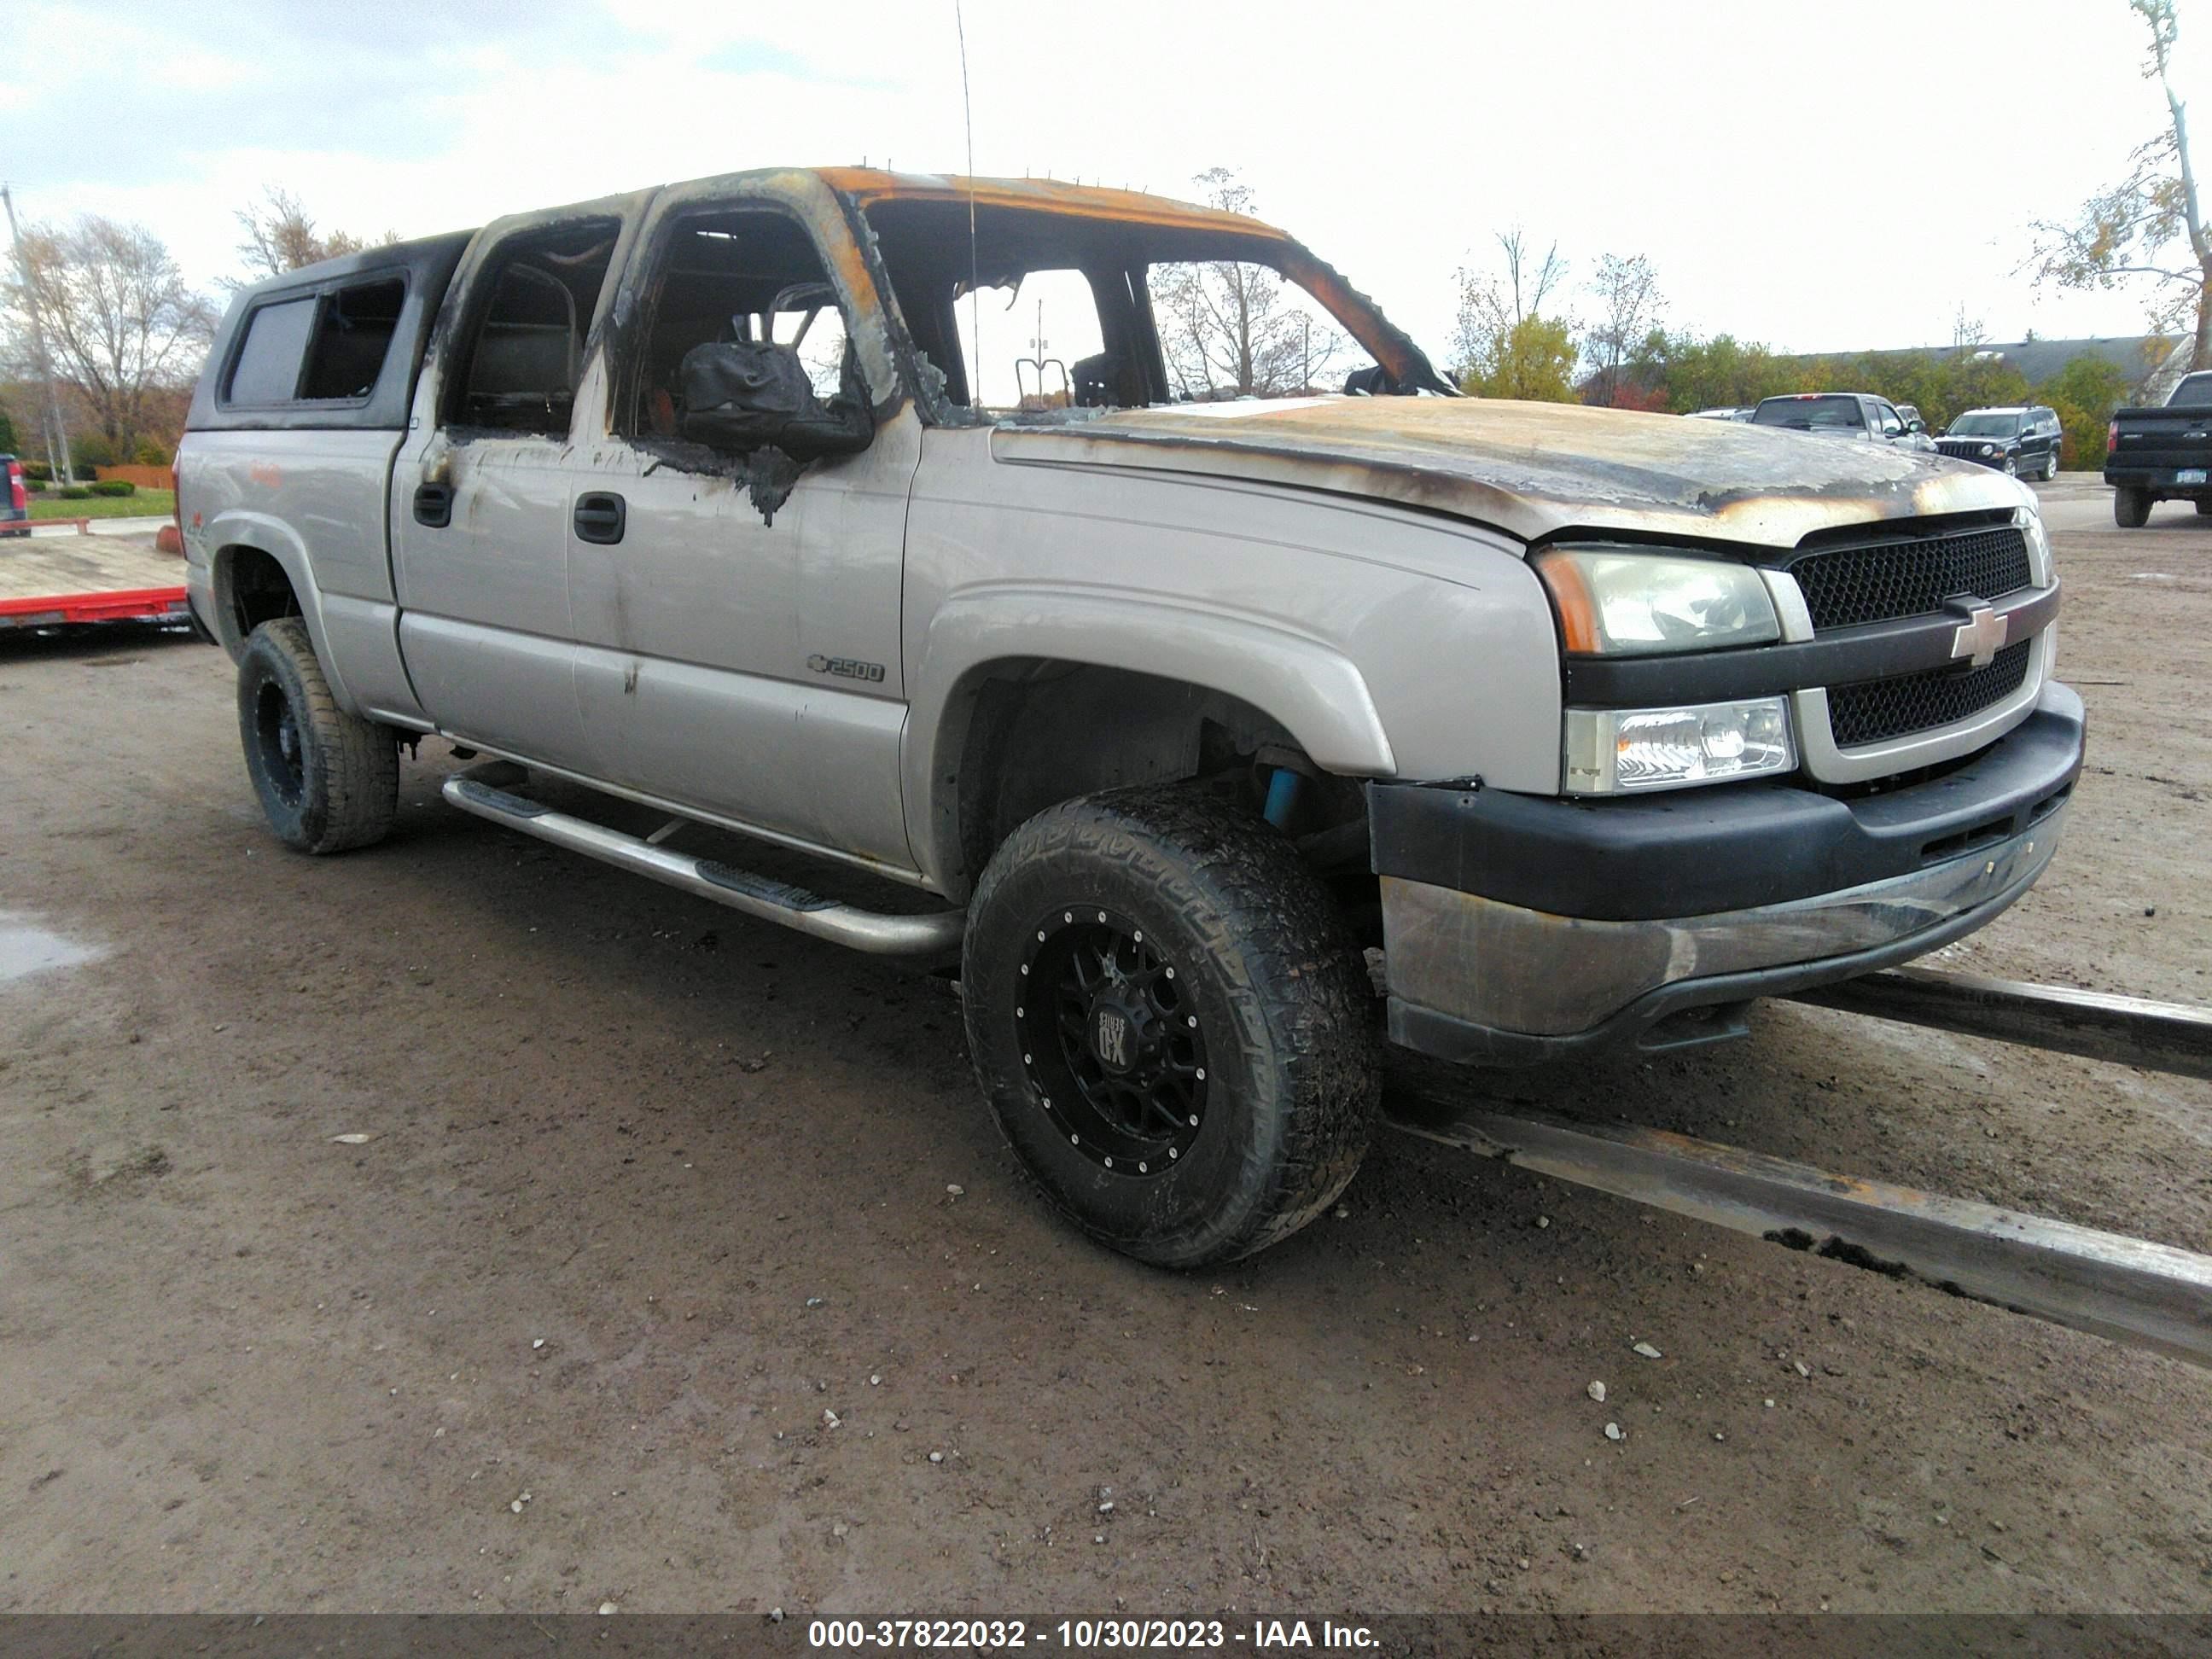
(652, 1190)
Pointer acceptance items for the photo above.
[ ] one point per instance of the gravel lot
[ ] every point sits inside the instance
(653, 1192)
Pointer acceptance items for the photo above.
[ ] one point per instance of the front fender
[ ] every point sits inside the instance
(1314, 690)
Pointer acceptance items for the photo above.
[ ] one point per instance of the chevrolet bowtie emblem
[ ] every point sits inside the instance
(1981, 635)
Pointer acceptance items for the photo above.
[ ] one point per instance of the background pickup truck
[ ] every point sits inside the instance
(2153, 455)
(1215, 738)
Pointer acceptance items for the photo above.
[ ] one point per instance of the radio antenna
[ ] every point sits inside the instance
(967, 120)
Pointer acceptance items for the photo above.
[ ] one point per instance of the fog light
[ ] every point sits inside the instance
(1611, 751)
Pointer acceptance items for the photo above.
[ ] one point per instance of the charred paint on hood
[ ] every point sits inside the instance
(1532, 470)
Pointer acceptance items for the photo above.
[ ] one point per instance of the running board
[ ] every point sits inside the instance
(874, 931)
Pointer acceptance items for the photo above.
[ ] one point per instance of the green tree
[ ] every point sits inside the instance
(2083, 395)
(1534, 361)
(7, 433)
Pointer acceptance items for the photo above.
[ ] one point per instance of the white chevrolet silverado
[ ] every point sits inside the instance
(1185, 709)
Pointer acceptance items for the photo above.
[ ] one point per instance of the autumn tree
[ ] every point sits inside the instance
(123, 331)
(1229, 328)
(2147, 231)
(1504, 344)
(281, 237)
(1628, 305)
(1492, 303)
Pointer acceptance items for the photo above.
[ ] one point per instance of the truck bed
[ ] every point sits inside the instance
(46, 581)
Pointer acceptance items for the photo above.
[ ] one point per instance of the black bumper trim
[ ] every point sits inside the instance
(1878, 651)
(1696, 851)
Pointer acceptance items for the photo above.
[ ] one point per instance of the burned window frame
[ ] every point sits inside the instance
(644, 286)
(479, 287)
(916, 306)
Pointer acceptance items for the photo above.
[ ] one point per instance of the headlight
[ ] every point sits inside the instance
(1610, 751)
(1618, 602)
(1989, 449)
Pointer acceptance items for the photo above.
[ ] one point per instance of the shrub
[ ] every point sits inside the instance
(149, 453)
(38, 471)
(74, 493)
(113, 487)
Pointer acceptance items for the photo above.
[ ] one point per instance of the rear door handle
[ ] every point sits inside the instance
(599, 517)
(434, 505)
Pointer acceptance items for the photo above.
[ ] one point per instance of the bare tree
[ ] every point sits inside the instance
(281, 237)
(1966, 331)
(1234, 328)
(122, 327)
(2148, 229)
(1492, 305)
(1629, 304)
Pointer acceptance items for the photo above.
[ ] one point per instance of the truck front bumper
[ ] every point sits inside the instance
(1520, 927)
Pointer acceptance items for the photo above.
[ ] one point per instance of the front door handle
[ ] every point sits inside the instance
(434, 505)
(599, 517)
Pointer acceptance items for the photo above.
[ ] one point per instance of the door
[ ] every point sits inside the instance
(480, 490)
(737, 646)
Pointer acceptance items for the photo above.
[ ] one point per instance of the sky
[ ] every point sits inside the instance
(1816, 176)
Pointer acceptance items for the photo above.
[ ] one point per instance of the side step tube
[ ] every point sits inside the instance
(930, 935)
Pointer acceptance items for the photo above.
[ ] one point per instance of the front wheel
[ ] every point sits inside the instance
(2130, 507)
(1171, 1023)
(327, 780)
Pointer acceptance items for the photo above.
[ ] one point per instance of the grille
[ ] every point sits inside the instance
(1875, 710)
(1885, 580)
(1964, 449)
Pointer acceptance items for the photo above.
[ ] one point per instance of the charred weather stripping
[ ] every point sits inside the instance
(1123, 869)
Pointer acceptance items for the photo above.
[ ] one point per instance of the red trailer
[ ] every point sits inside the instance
(48, 582)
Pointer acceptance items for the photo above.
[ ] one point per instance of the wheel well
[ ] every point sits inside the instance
(1040, 731)
(254, 588)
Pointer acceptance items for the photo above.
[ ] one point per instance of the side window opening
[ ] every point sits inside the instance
(526, 352)
(1031, 343)
(267, 367)
(353, 336)
(746, 345)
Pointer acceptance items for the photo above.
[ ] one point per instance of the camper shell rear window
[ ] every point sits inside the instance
(329, 347)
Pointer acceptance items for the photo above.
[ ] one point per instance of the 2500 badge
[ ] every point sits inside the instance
(847, 668)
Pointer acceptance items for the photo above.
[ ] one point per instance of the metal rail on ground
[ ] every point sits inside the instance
(2159, 1036)
(2133, 1291)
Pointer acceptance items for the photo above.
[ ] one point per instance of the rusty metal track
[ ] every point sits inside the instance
(2159, 1036)
(2147, 1295)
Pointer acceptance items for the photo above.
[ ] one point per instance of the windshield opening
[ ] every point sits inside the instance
(1052, 311)
(1985, 426)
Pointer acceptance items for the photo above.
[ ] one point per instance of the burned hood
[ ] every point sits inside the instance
(1532, 470)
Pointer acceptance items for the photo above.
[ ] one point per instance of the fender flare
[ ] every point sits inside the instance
(1317, 693)
(236, 528)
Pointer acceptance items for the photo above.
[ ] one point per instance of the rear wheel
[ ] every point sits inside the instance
(2050, 467)
(1171, 1024)
(327, 780)
(2130, 507)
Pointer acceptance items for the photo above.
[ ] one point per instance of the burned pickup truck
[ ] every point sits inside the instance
(1223, 728)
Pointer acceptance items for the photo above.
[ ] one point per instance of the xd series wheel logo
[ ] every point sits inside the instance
(1113, 1040)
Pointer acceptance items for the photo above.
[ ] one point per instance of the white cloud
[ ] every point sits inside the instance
(1825, 179)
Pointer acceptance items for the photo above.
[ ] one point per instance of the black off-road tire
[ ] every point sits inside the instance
(327, 780)
(1262, 962)
(2130, 507)
(2205, 506)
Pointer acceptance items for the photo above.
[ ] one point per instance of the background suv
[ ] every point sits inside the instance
(2025, 441)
